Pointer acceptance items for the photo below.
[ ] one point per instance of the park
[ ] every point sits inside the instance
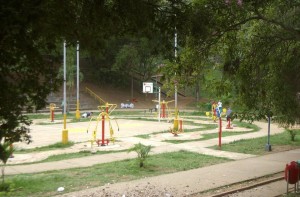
(199, 139)
(150, 98)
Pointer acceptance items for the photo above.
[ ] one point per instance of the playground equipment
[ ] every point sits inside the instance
(228, 118)
(52, 108)
(165, 112)
(292, 175)
(178, 124)
(104, 115)
(93, 94)
(214, 111)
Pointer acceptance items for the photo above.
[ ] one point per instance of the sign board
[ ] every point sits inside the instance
(147, 87)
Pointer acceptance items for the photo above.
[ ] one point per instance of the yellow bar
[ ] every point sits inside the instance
(77, 111)
(65, 136)
(65, 131)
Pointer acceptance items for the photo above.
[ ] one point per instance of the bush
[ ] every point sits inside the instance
(6, 189)
(293, 133)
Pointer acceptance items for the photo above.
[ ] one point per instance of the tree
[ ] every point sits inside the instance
(255, 45)
(5, 152)
(26, 73)
(30, 32)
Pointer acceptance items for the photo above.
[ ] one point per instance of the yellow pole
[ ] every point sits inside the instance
(175, 127)
(77, 110)
(65, 131)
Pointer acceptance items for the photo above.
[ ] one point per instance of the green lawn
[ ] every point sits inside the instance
(46, 183)
(257, 146)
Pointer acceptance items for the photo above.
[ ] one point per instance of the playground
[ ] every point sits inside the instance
(142, 127)
(130, 130)
(108, 130)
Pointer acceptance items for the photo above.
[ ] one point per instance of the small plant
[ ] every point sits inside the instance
(292, 133)
(6, 188)
(142, 151)
(6, 151)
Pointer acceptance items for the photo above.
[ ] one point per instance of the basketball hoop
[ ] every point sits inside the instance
(148, 87)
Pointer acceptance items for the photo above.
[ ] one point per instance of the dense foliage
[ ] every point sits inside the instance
(31, 37)
(255, 46)
(245, 50)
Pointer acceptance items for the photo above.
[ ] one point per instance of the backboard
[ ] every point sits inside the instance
(147, 87)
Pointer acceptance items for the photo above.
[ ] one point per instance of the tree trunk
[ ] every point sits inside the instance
(131, 87)
(197, 92)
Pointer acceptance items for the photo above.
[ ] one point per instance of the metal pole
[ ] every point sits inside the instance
(65, 131)
(220, 132)
(269, 122)
(158, 104)
(268, 145)
(65, 83)
(77, 104)
(103, 128)
(175, 46)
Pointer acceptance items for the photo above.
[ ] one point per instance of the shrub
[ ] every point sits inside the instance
(142, 151)
(293, 133)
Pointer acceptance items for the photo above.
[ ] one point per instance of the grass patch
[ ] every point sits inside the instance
(66, 156)
(46, 184)
(59, 115)
(144, 136)
(58, 145)
(247, 125)
(257, 146)
(209, 136)
(78, 155)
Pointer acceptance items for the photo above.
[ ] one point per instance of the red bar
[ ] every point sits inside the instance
(220, 132)
(52, 115)
(103, 126)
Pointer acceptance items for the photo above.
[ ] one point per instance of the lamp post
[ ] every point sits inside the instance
(65, 131)
(268, 146)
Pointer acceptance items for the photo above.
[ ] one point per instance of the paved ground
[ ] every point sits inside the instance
(244, 167)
